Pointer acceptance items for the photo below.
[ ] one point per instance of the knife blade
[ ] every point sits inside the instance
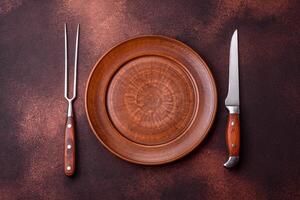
(232, 103)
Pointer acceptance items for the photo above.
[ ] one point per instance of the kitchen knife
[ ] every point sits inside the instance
(232, 103)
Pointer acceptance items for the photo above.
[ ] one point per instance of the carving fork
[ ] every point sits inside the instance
(69, 147)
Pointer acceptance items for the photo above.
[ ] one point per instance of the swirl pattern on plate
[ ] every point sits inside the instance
(151, 100)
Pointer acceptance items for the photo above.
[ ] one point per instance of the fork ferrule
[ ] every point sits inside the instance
(70, 109)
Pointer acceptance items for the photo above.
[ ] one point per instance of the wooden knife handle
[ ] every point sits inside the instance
(233, 139)
(233, 135)
(70, 147)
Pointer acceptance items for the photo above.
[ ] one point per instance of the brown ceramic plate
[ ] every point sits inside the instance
(151, 100)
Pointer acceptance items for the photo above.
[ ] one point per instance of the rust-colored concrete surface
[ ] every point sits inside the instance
(33, 109)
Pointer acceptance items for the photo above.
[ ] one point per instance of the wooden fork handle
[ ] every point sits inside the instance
(233, 139)
(69, 147)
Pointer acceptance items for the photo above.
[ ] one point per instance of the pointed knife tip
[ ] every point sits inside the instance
(235, 34)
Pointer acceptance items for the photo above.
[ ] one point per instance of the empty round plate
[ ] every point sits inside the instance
(151, 100)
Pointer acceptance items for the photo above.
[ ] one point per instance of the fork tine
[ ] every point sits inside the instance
(75, 63)
(66, 62)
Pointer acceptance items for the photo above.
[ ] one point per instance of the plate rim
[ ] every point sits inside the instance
(191, 147)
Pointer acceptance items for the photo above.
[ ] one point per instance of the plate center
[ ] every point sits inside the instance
(151, 100)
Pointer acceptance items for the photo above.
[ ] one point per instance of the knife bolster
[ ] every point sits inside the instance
(233, 109)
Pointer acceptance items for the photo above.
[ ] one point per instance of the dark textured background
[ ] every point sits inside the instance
(33, 109)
